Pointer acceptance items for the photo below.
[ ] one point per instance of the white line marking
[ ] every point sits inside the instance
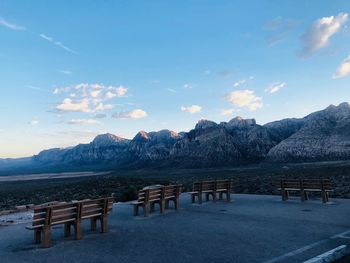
(342, 235)
(296, 252)
(305, 248)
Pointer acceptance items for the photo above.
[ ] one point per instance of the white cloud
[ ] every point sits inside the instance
(192, 109)
(12, 26)
(93, 91)
(188, 86)
(245, 99)
(239, 82)
(171, 90)
(82, 121)
(206, 72)
(66, 72)
(34, 122)
(68, 105)
(133, 114)
(343, 69)
(275, 87)
(57, 43)
(100, 116)
(226, 112)
(102, 107)
(116, 92)
(319, 34)
(88, 97)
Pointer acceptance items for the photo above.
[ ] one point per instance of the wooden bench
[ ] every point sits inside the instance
(69, 214)
(147, 198)
(171, 193)
(304, 186)
(161, 195)
(211, 188)
(224, 187)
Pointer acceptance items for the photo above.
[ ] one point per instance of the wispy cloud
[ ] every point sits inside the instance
(343, 69)
(242, 81)
(245, 99)
(34, 122)
(191, 109)
(226, 73)
(275, 87)
(171, 90)
(12, 26)
(66, 72)
(36, 88)
(319, 34)
(239, 82)
(133, 114)
(100, 116)
(82, 121)
(58, 43)
(206, 72)
(226, 112)
(188, 86)
(278, 29)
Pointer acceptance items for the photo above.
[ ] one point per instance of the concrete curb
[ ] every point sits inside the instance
(329, 256)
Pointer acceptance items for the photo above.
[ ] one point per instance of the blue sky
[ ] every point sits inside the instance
(72, 69)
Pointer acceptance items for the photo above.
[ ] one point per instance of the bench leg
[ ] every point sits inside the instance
(302, 196)
(78, 230)
(193, 198)
(37, 236)
(177, 203)
(67, 227)
(228, 197)
(136, 210)
(324, 197)
(104, 224)
(93, 223)
(206, 197)
(146, 209)
(46, 237)
(167, 204)
(214, 197)
(163, 205)
(200, 198)
(220, 196)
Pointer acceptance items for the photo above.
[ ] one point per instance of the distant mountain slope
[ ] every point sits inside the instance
(321, 136)
(325, 135)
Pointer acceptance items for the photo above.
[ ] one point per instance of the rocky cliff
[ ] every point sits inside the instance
(320, 136)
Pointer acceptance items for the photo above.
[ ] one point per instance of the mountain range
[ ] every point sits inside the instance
(320, 136)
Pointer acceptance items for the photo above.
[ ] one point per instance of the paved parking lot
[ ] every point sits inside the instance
(251, 228)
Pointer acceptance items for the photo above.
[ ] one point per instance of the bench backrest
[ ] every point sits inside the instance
(223, 184)
(322, 184)
(318, 184)
(95, 208)
(196, 187)
(208, 185)
(154, 194)
(212, 185)
(63, 213)
(290, 183)
(171, 191)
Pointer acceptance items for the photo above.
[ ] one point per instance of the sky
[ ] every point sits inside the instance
(70, 70)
